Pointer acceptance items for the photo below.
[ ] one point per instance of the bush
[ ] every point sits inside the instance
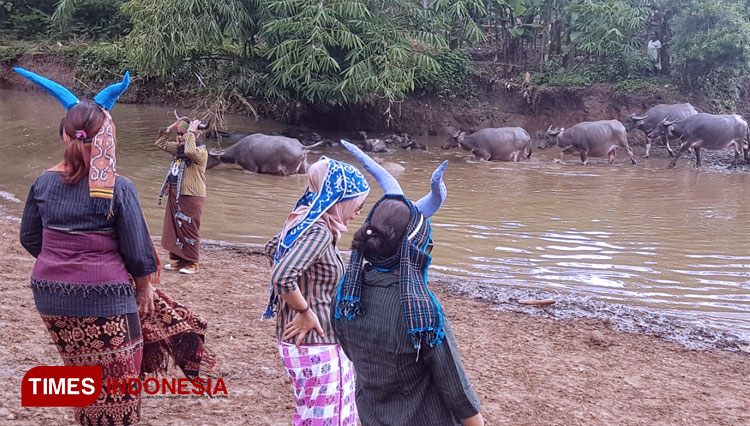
(565, 78)
(451, 78)
(96, 20)
(637, 86)
(619, 67)
(709, 37)
(101, 63)
(722, 89)
(8, 54)
(31, 26)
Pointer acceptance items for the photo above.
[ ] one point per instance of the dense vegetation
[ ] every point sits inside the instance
(344, 52)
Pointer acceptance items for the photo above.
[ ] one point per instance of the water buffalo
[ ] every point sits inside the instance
(648, 123)
(392, 168)
(590, 139)
(226, 136)
(270, 154)
(708, 131)
(494, 144)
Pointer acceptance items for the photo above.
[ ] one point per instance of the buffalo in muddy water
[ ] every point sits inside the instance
(269, 154)
(590, 139)
(708, 131)
(226, 136)
(392, 168)
(648, 123)
(494, 144)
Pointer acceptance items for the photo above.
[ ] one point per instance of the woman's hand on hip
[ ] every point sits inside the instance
(302, 323)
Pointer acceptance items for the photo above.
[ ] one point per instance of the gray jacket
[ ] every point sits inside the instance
(393, 386)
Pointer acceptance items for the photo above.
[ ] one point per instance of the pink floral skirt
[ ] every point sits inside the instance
(323, 379)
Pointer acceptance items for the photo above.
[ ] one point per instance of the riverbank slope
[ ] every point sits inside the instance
(525, 369)
(493, 102)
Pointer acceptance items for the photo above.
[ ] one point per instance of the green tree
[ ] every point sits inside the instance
(711, 36)
(606, 28)
(342, 51)
(459, 18)
(167, 32)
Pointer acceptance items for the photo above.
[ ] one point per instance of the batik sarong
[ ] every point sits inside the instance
(174, 331)
(323, 379)
(181, 234)
(115, 344)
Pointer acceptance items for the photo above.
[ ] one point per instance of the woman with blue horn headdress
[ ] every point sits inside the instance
(95, 263)
(307, 267)
(391, 325)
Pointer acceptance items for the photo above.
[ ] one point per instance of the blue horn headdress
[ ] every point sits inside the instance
(423, 315)
(427, 205)
(106, 98)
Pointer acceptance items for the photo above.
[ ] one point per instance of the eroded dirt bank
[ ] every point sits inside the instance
(526, 370)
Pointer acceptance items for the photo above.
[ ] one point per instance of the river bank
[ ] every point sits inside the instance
(493, 102)
(526, 369)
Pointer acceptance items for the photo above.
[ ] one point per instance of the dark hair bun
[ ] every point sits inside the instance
(381, 236)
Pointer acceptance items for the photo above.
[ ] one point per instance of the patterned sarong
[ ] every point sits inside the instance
(113, 342)
(173, 330)
(181, 234)
(323, 379)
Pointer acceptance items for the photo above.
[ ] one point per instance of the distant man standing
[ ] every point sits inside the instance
(654, 54)
(186, 186)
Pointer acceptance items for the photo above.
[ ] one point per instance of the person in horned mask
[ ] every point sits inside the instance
(95, 263)
(391, 325)
(307, 267)
(185, 185)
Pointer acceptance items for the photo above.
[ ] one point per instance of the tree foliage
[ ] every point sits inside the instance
(357, 51)
(711, 36)
(167, 32)
(606, 28)
(345, 51)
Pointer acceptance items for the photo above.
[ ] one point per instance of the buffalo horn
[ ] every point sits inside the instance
(200, 126)
(666, 123)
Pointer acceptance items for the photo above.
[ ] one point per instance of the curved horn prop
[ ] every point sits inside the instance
(554, 132)
(639, 117)
(109, 95)
(385, 180)
(431, 203)
(176, 116)
(668, 123)
(549, 129)
(63, 95)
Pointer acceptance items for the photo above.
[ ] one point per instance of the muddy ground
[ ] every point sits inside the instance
(525, 369)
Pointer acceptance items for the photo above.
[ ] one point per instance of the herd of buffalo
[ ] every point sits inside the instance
(283, 155)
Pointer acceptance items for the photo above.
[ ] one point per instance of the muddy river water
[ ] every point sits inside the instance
(675, 241)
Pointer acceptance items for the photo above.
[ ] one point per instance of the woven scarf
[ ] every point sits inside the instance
(423, 314)
(342, 182)
(103, 166)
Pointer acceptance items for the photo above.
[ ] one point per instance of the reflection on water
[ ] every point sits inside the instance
(674, 240)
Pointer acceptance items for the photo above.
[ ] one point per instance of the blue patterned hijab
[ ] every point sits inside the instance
(342, 182)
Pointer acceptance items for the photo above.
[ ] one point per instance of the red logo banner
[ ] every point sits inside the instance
(47, 386)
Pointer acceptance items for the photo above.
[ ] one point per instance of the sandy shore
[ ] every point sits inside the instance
(526, 369)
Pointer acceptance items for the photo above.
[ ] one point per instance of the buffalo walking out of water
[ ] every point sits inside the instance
(590, 139)
(708, 131)
(269, 154)
(494, 144)
(649, 122)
